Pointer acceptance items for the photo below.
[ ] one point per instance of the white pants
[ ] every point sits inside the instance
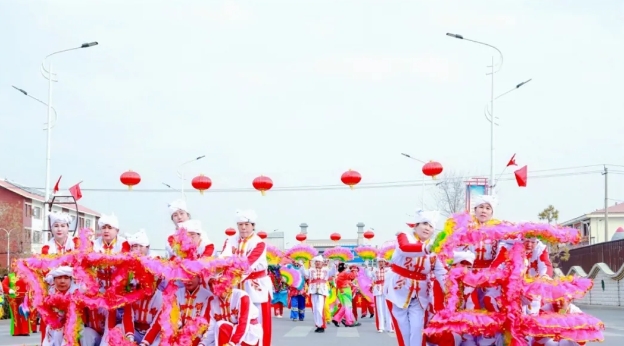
(470, 340)
(551, 342)
(88, 337)
(408, 322)
(383, 320)
(318, 310)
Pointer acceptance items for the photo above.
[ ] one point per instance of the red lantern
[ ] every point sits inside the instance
(335, 237)
(201, 183)
(262, 184)
(262, 234)
(351, 178)
(301, 237)
(230, 232)
(369, 235)
(130, 179)
(432, 169)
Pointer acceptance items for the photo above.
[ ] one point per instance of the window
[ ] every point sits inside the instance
(81, 222)
(37, 213)
(36, 239)
(27, 210)
(88, 223)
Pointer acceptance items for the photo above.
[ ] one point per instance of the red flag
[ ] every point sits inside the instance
(76, 192)
(521, 176)
(56, 186)
(512, 161)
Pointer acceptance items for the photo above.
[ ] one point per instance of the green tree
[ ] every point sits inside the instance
(558, 252)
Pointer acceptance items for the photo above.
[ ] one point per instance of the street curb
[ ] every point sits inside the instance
(600, 307)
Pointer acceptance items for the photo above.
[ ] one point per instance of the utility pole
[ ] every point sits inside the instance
(606, 203)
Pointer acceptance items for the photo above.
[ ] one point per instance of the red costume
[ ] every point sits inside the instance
(16, 292)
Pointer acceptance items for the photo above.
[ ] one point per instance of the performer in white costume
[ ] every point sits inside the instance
(61, 242)
(140, 319)
(205, 248)
(563, 307)
(256, 282)
(179, 213)
(193, 300)
(109, 243)
(408, 285)
(233, 317)
(62, 280)
(318, 289)
(383, 320)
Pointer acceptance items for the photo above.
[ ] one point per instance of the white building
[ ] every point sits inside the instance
(592, 225)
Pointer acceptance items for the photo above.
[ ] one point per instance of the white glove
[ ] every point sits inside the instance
(11, 291)
(130, 338)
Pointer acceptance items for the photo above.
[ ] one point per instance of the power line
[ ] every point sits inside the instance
(363, 186)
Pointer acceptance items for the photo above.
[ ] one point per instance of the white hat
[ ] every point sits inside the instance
(246, 216)
(485, 199)
(430, 217)
(318, 258)
(461, 256)
(192, 226)
(110, 220)
(59, 271)
(57, 217)
(139, 238)
(178, 204)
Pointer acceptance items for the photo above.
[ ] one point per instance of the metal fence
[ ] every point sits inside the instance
(611, 253)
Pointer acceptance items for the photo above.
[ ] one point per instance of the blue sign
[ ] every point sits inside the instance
(356, 258)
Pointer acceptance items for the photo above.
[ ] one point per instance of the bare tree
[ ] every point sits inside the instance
(450, 193)
(558, 252)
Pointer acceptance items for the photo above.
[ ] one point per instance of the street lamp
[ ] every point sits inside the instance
(8, 233)
(422, 197)
(500, 65)
(181, 174)
(488, 115)
(49, 75)
(38, 100)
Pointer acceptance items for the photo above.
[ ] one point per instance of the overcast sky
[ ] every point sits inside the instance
(302, 91)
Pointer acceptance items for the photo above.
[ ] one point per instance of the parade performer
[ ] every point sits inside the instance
(318, 289)
(61, 279)
(233, 317)
(564, 307)
(408, 285)
(297, 296)
(280, 291)
(61, 242)
(17, 290)
(359, 298)
(331, 301)
(109, 243)
(205, 248)
(140, 319)
(179, 213)
(485, 253)
(193, 302)
(256, 283)
(345, 296)
(383, 320)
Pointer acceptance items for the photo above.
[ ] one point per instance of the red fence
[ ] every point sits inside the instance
(611, 253)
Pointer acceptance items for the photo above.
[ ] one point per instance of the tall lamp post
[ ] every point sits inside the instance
(50, 76)
(182, 175)
(500, 65)
(38, 100)
(8, 234)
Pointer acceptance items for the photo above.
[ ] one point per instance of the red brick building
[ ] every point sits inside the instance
(21, 220)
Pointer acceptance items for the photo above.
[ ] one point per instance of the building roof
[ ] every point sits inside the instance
(330, 243)
(39, 196)
(617, 208)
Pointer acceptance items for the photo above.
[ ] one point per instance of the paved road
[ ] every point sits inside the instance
(286, 332)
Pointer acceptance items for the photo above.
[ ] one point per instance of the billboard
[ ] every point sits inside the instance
(475, 187)
(356, 258)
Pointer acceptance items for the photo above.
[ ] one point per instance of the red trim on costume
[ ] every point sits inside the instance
(243, 320)
(406, 246)
(410, 274)
(267, 321)
(45, 249)
(500, 258)
(153, 331)
(545, 258)
(125, 247)
(128, 320)
(256, 253)
(208, 250)
(397, 330)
